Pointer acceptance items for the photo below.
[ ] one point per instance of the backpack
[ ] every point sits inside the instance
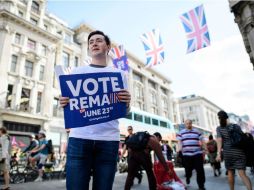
(237, 137)
(49, 146)
(138, 141)
(211, 147)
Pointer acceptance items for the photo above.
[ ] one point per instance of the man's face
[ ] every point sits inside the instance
(97, 46)
(188, 124)
(130, 130)
(223, 121)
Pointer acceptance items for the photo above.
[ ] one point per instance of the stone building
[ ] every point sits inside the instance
(244, 18)
(201, 111)
(33, 42)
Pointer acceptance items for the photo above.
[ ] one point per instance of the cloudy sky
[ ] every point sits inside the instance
(222, 72)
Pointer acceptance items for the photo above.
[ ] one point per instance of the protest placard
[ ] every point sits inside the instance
(93, 98)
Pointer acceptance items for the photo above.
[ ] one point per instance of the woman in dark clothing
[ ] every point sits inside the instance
(234, 157)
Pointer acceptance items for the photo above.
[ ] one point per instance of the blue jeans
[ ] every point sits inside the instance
(91, 157)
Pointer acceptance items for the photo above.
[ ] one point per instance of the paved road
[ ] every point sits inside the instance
(212, 183)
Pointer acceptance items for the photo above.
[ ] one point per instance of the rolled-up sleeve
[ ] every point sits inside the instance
(218, 132)
(5, 146)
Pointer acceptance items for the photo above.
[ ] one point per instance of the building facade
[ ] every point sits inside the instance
(201, 111)
(244, 17)
(33, 43)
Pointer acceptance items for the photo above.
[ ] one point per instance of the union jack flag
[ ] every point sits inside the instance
(153, 47)
(119, 58)
(195, 26)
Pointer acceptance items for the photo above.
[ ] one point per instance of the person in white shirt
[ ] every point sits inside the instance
(5, 150)
(94, 149)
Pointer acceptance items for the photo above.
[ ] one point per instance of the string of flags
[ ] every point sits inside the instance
(195, 26)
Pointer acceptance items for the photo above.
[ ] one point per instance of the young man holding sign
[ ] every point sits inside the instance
(94, 148)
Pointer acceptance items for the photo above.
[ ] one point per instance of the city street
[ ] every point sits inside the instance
(219, 183)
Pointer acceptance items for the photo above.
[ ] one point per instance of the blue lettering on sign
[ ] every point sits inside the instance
(93, 98)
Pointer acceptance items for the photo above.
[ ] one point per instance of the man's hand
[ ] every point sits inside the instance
(63, 101)
(218, 158)
(124, 96)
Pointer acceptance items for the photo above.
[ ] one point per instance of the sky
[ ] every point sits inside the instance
(222, 72)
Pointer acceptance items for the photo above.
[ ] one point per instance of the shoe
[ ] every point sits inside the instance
(39, 179)
(202, 188)
(215, 175)
(140, 179)
(6, 188)
(187, 181)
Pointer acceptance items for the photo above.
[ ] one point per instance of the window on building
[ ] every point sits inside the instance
(139, 105)
(155, 122)
(164, 103)
(137, 77)
(138, 117)
(33, 21)
(31, 44)
(17, 38)
(20, 14)
(55, 107)
(9, 95)
(163, 124)
(38, 106)
(153, 98)
(138, 91)
(129, 116)
(66, 59)
(154, 110)
(14, 62)
(44, 50)
(147, 120)
(67, 38)
(35, 7)
(42, 68)
(24, 101)
(29, 68)
(76, 61)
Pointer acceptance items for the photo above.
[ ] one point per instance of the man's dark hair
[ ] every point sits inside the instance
(3, 130)
(210, 137)
(157, 134)
(222, 114)
(100, 33)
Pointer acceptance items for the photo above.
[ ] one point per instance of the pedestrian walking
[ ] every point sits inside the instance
(190, 142)
(5, 151)
(167, 150)
(94, 147)
(139, 146)
(212, 154)
(234, 157)
(138, 175)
